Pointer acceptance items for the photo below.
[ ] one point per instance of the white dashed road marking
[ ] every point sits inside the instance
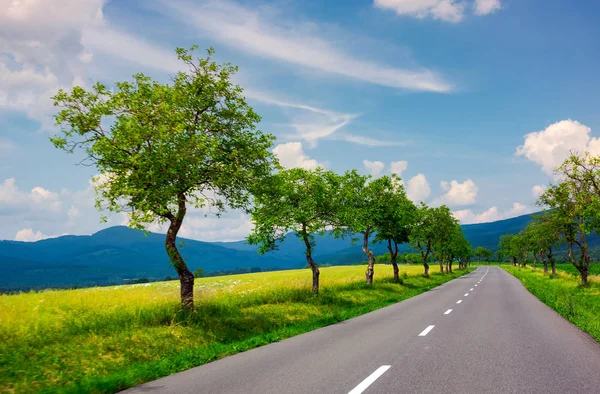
(426, 331)
(459, 301)
(369, 380)
(448, 312)
(466, 294)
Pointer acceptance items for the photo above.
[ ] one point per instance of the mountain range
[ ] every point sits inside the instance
(118, 254)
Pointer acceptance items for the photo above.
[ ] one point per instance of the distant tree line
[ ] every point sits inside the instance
(572, 213)
(192, 143)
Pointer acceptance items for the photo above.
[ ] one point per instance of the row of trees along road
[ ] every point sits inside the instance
(572, 213)
(162, 148)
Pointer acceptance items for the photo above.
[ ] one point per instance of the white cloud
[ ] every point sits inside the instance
(485, 7)
(291, 155)
(459, 193)
(537, 190)
(446, 10)
(398, 167)
(418, 188)
(368, 141)
(374, 167)
(261, 31)
(12, 198)
(28, 235)
(466, 216)
(42, 51)
(550, 147)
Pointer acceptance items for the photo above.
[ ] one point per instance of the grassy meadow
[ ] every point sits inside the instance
(105, 339)
(564, 293)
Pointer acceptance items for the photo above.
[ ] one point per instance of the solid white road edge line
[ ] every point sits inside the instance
(459, 301)
(448, 312)
(426, 331)
(370, 379)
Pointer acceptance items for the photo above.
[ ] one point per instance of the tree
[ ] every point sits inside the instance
(544, 235)
(514, 247)
(199, 273)
(570, 217)
(461, 249)
(393, 223)
(361, 204)
(163, 147)
(298, 201)
(422, 233)
(445, 230)
(482, 253)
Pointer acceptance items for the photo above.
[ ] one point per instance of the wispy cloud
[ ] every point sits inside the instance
(264, 32)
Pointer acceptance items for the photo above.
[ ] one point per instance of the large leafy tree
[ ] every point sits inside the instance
(572, 218)
(423, 233)
(165, 147)
(394, 222)
(295, 201)
(361, 203)
(445, 232)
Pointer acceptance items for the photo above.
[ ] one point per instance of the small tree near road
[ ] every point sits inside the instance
(297, 201)
(163, 147)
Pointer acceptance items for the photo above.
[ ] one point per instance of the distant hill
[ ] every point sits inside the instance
(116, 254)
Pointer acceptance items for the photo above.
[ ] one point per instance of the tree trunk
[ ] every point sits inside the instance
(544, 262)
(394, 256)
(424, 256)
(450, 265)
(370, 267)
(186, 278)
(552, 263)
(584, 276)
(313, 266)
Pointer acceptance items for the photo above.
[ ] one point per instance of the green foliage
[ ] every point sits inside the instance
(152, 142)
(161, 147)
(199, 273)
(482, 253)
(295, 200)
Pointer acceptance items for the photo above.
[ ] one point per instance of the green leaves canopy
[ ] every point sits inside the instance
(193, 140)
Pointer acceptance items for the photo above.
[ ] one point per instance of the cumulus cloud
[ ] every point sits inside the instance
(374, 167)
(457, 193)
(537, 190)
(266, 32)
(291, 155)
(446, 10)
(485, 7)
(467, 216)
(551, 146)
(13, 198)
(418, 188)
(28, 235)
(398, 167)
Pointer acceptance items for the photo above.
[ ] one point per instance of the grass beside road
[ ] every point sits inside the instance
(109, 338)
(564, 294)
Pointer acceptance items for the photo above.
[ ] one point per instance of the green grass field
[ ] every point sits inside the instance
(564, 294)
(109, 338)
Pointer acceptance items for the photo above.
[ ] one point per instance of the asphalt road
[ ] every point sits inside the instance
(498, 339)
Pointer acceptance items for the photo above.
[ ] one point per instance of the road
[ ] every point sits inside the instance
(481, 333)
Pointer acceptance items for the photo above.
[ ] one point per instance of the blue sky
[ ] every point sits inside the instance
(474, 101)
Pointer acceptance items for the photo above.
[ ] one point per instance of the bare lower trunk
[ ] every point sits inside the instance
(552, 263)
(313, 266)
(584, 276)
(371, 264)
(186, 278)
(393, 258)
(450, 266)
(424, 256)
